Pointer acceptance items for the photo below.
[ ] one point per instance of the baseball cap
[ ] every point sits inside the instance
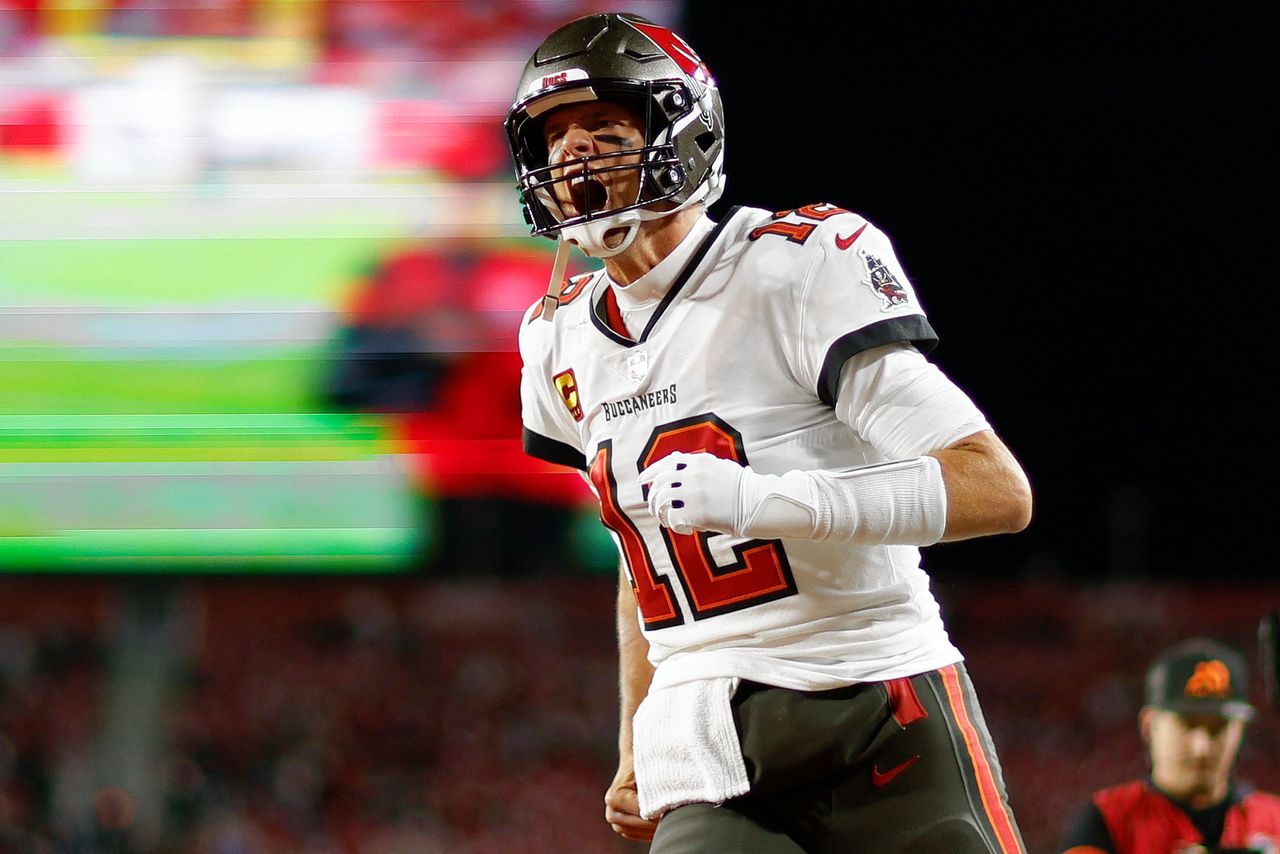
(1200, 676)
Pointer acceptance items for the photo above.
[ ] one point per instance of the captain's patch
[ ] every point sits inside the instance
(567, 384)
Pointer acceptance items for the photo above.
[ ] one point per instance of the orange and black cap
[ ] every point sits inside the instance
(1200, 677)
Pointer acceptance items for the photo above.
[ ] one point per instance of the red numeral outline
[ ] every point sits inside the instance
(653, 594)
(570, 290)
(819, 212)
(797, 232)
(760, 573)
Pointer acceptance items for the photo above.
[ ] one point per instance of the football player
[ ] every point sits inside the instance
(750, 402)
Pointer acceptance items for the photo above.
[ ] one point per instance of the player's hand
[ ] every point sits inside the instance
(694, 492)
(622, 807)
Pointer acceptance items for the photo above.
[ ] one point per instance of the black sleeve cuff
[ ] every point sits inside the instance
(913, 328)
(1087, 828)
(537, 445)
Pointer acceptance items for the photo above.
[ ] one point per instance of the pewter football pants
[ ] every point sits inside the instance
(882, 768)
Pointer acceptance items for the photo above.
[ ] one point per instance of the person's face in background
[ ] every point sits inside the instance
(1191, 755)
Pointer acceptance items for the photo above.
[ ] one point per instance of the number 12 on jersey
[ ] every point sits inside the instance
(760, 572)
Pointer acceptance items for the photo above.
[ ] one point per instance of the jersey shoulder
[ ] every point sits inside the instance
(805, 230)
(539, 327)
(828, 256)
(777, 251)
(571, 291)
(789, 245)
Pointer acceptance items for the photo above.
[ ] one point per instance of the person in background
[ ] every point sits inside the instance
(1192, 724)
(428, 343)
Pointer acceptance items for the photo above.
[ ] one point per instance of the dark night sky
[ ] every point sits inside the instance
(1078, 200)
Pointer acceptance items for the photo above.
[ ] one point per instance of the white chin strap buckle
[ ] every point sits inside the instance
(590, 236)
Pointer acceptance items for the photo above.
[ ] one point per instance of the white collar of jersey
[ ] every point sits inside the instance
(653, 285)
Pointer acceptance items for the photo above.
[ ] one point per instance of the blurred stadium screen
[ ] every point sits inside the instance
(207, 212)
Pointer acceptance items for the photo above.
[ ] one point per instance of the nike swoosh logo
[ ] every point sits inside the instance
(881, 780)
(846, 242)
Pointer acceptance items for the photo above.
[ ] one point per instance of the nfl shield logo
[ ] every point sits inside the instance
(637, 365)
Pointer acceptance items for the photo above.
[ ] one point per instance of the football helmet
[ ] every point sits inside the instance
(620, 58)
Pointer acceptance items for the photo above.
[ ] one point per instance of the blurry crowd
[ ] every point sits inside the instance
(424, 337)
(479, 715)
(384, 718)
(52, 671)
(419, 84)
(347, 27)
(389, 719)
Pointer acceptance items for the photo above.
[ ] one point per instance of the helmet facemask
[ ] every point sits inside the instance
(625, 59)
(569, 192)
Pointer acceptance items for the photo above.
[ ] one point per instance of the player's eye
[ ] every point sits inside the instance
(614, 133)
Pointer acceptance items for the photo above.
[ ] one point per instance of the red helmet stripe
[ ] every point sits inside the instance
(676, 48)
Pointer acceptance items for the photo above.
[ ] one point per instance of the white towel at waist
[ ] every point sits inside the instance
(686, 747)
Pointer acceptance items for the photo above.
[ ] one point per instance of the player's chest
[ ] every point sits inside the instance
(698, 367)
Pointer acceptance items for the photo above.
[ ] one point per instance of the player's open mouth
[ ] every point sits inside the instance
(588, 194)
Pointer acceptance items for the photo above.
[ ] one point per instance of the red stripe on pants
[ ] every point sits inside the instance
(992, 802)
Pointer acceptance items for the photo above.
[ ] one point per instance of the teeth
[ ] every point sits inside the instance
(588, 191)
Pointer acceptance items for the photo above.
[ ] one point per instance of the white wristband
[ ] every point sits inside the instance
(898, 503)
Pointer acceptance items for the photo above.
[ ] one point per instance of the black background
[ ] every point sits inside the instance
(1085, 205)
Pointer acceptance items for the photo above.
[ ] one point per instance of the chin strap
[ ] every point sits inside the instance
(589, 236)
(551, 301)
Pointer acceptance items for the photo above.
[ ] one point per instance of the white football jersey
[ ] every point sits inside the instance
(742, 359)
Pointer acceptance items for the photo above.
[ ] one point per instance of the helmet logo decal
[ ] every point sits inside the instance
(678, 156)
(557, 79)
(676, 48)
(1211, 679)
(882, 281)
